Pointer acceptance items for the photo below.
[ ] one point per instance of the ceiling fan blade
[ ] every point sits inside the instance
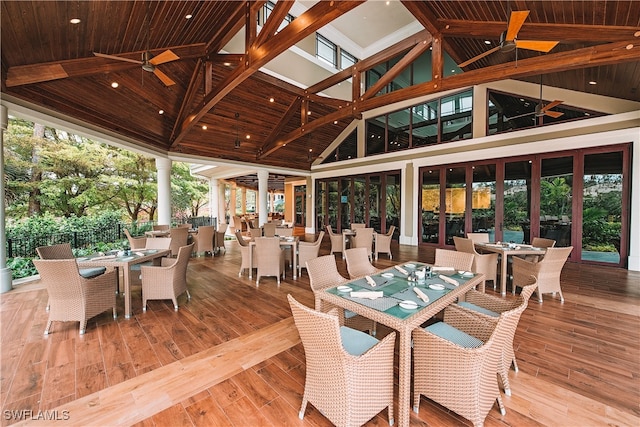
(551, 105)
(521, 115)
(554, 114)
(163, 77)
(166, 56)
(515, 23)
(538, 45)
(117, 58)
(475, 58)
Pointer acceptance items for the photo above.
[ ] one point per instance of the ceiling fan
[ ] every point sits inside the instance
(509, 41)
(541, 109)
(149, 63)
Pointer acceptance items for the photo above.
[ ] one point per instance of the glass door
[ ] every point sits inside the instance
(345, 204)
(602, 205)
(375, 201)
(483, 200)
(300, 192)
(359, 199)
(392, 203)
(556, 192)
(334, 204)
(516, 205)
(430, 206)
(455, 203)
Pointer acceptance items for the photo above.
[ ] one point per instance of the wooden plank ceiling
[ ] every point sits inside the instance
(50, 62)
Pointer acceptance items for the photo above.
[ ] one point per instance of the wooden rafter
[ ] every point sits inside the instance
(313, 19)
(192, 89)
(270, 27)
(270, 143)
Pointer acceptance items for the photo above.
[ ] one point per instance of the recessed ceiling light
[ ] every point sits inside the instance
(593, 82)
(161, 112)
(189, 16)
(487, 42)
(114, 85)
(308, 113)
(226, 64)
(248, 136)
(335, 122)
(271, 99)
(75, 20)
(204, 127)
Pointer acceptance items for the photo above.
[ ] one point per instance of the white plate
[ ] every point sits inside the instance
(437, 287)
(410, 265)
(387, 275)
(467, 274)
(151, 251)
(409, 305)
(344, 289)
(127, 258)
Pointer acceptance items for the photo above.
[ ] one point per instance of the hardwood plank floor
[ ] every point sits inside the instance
(231, 356)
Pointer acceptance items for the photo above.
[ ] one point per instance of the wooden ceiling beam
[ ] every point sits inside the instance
(606, 54)
(565, 33)
(270, 27)
(196, 78)
(83, 67)
(270, 141)
(226, 32)
(313, 19)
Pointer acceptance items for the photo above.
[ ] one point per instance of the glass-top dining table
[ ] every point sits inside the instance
(394, 307)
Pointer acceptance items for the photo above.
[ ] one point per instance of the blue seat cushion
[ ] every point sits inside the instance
(456, 336)
(356, 342)
(89, 273)
(478, 309)
(349, 314)
(136, 267)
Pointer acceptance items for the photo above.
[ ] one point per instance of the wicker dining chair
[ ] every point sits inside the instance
(486, 264)
(73, 298)
(383, 242)
(455, 362)
(357, 225)
(254, 232)
(179, 238)
(269, 229)
(160, 227)
(245, 251)
(269, 258)
(307, 251)
(204, 239)
(219, 237)
(455, 259)
(478, 237)
(488, 309)
(336, 240)
(323, 273)
(349, 374)
(363, 239)
(540, 242)
(168, 280)
(135, 242)
(64, 251)
(358, 263)
(547, 271)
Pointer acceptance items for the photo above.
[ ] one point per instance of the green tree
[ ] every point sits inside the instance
(188, 193)
(134, 182)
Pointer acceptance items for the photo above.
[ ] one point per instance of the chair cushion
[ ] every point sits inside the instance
(456, 336)
(349, 314)
(137, 266)
(356, 342)
(89, 273)
(478, 309)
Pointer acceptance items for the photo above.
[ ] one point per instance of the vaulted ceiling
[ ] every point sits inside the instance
(239, 81)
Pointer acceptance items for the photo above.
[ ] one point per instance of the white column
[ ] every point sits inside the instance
(263, 187)
(214, 192)
(163, 166)
(222, 203)
(5, 273)
(243, 201)
(233, 201)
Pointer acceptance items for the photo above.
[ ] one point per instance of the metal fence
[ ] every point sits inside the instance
(25, 247)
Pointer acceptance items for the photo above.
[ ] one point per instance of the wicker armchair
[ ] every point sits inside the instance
(455, 259)
(73, 298)
(358, 263)
(245, 251)
(161, 243)
(254, 232)
(455, 361)
(269, 229)
(486, 264)
(323, 273)
(547, 271)
(540, 242)
(336, 240)
(204, 239)
(160, 227)
(357, 225)
(363, 239)
(64, 251)
(349, 374)
(179, 238)
(167, 281)
(478, 237)
(135, 242)
(269, 258)
(307, 251)
(488, 309)
(219, 236)
(383, 242)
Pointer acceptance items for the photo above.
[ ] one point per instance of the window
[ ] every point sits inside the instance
(346, 59)
(326, 50)
(266, 11)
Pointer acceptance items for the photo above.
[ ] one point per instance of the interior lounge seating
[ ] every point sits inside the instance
(349, 374)
(269, 258)
(547, 271)
(455, 259)
(358, 263)
(323, 274)
(204, 239)
(307, 251)
(488, 309)
(383, 242)
(336, 240)
(168, 280)
(73, 298)
(486, 264)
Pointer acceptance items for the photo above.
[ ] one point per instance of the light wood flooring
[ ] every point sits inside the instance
(231, 356)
